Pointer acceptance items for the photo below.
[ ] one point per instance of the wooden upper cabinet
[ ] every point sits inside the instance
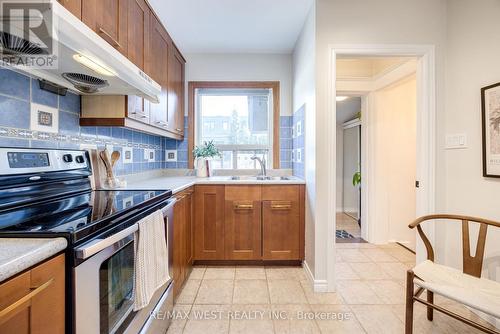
(281, 224)
(108, 18)
(138, 28)
(176, 91)
(74, 6)
(209, 222)
(158, 68)
(242, 228)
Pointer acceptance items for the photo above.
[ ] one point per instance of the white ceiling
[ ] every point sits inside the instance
(233, 26)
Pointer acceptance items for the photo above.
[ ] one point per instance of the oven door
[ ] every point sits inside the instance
(104, 281)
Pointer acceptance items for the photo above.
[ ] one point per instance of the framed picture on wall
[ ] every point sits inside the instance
(490, 101)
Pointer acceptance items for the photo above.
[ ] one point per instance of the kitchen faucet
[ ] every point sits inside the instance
(262, 163)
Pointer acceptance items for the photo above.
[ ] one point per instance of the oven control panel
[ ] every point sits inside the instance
(20, 160)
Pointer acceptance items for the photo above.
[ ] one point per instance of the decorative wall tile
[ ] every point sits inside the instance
(70, 102)
(14, 84)
(14, 113)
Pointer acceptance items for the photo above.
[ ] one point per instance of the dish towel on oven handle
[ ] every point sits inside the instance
(151, 259)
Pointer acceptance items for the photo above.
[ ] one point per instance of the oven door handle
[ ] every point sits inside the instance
(97, 245)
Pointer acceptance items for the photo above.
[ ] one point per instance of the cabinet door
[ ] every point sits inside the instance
(138, 26)
(158, 67)
(179, 243)
(242, 228)
(18, 320)
(48, 307)
(109, 20)
(74, 6)
(281, 222)
(209, 223)
(189, 231)
(176, 92)
(138, 109)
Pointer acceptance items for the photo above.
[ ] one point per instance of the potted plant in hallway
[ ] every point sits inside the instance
(203, 156)
(356, 182)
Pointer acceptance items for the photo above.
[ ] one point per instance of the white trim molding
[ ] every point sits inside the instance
(319, 285)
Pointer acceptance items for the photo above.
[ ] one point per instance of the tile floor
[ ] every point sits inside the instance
(369, 298)
(349, 224)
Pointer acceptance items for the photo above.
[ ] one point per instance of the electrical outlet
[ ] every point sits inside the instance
(149, 155)
(127, 155)
(171, 155)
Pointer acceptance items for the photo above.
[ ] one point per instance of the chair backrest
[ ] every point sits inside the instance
(472, 265)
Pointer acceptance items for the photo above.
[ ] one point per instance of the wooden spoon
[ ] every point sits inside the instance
(115, 156)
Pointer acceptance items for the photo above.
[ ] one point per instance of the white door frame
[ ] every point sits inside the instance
(426, 125)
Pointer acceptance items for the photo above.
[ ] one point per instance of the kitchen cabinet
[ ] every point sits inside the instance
(242, 223)
(176, 91)
(138, 30)
(159, 72)
(249, 222)
(73, 6)
(280, 222)
(209, 222)
(109, 19)
(34, 301)
(182, 248)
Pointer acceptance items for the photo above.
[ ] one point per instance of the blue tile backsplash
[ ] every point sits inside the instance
(18, 91)
(298, 152)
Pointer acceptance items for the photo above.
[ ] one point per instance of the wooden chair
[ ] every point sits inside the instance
(472, 265)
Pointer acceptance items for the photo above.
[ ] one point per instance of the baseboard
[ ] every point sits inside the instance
(318, 285)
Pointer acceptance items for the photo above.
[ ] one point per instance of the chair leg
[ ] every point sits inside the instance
(430, 310)
(409, 302)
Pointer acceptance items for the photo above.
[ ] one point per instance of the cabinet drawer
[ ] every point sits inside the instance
(281, 193)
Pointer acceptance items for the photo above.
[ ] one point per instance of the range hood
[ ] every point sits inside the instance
(86, 63)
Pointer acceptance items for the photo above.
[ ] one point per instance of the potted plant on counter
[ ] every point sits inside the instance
(203, 156)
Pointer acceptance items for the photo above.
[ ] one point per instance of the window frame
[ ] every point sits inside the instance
(192, 117)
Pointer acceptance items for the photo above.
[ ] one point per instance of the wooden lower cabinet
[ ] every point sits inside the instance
(249, 222)
(209, 222)
(183, 236)
(242, 223)
(34, 301)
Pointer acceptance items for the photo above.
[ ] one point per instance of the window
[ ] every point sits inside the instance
(240, 118)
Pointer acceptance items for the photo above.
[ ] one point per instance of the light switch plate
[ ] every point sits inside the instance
(456, 141)
(149, 155)
(171, 155)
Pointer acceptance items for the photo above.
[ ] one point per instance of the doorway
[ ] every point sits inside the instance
(425, 138)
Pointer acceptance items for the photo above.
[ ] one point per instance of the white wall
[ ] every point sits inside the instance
(472, 62)
(304, 89)
(244, 67)
(351, 164)
(339, 203)
(368, 22)
(394, 143)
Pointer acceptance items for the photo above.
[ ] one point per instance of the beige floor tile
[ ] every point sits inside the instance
(378, 319)
(344, 271)
(352, 255)
(251, 319)
(206, 319)
(189, 291)
(357, 292)
(401, 254)
(336, 319)
(288, 273)
(378, 255)
(286, 292)
(215, 292)
(289, 319)
(219, 273)
(197, 272)
(354, 245)
(250, 273)
(179, 318)
(390, 292)
(369, 270)
(396, 270)
(320, 297)
(250, 292)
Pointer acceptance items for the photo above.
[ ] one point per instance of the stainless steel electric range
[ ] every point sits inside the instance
(47, 193)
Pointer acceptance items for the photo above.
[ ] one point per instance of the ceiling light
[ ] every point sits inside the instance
(93, 65)
(341, 98)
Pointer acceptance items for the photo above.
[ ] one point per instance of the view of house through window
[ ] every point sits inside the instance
(239, 121)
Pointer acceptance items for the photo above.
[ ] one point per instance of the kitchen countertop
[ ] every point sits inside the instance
(179, 183)
(18, 254)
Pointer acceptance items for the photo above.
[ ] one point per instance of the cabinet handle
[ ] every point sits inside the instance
(241, 206)
(21, 301)
(281, 205)
(108, 36)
